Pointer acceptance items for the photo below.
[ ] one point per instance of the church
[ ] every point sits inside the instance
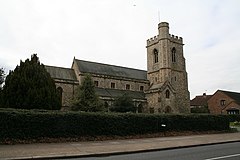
(163, 88)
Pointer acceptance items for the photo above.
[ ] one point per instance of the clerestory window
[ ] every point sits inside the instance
(127, 86)
(96, 83)
(113, 85)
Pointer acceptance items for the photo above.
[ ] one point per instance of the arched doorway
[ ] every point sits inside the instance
(168, 109)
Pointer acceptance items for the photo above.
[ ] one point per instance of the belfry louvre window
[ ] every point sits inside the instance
(155, 54)
(113, 85)
(174, 54)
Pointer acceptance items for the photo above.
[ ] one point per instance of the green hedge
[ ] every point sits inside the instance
(25, 124)
(234, 117)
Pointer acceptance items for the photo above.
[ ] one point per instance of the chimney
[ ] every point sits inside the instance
(204, 95)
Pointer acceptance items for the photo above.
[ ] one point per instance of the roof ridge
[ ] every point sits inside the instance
(234, 95)
(229, 91)
(58, 67)
(111, 65)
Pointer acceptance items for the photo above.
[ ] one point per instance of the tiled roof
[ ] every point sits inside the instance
(234, 95)
(61, 73)
(200, 100)
(105, 92)
(110, 70)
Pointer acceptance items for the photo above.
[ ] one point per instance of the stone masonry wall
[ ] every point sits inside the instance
(120, 83)
(160, 103)
(68, 91)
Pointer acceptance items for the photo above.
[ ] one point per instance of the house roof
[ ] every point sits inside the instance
(200, 100)
(110, 70)
(106, 92)
(234, 95)
(61, 73)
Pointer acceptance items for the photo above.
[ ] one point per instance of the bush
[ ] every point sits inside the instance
(123, 104)
(233, 117)
(27, 124)
(200, 110)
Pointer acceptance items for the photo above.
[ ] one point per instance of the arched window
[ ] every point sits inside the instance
(60, 91)
(174, 54)
(167, 94)
(106, 105)
(155, 54)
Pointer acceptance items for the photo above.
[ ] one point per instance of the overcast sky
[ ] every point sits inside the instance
(115, 32)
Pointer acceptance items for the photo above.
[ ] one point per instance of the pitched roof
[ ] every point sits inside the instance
(106, 92)
(61, 73)
(162, 86)
(234, 95)
(110, 70)
(200, 100)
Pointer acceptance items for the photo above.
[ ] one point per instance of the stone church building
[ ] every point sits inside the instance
(163, 88)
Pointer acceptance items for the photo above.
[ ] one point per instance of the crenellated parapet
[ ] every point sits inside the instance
(171, 37)
(175, 39)
(152, 40)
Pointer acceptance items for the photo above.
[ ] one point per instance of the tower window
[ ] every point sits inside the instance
(174, 54)
(113, 85)
(141, 88)
(127, 86)
(167, 94)
(155, 53)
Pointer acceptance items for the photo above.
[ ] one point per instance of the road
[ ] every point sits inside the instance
(228, 151)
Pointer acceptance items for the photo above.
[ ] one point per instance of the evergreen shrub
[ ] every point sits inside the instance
(30, 86)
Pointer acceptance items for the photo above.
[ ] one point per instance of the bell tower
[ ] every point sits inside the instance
(166, 72)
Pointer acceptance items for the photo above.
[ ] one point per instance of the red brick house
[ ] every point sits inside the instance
(200, 103)
(224, 102)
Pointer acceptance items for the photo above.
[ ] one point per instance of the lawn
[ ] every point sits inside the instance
(235, 125)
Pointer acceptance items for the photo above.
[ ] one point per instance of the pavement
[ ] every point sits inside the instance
(110, 147)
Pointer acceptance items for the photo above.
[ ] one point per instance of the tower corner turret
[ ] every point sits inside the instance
(163, 30)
